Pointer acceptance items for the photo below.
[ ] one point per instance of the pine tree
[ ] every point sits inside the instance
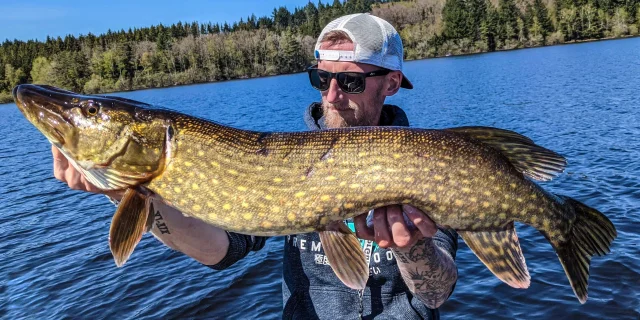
(455, 18)
(542, 15)
(477, 12)
(509, 14)
(281, 18)
(489, 29)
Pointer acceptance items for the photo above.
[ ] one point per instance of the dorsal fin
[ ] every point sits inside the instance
(532, 160)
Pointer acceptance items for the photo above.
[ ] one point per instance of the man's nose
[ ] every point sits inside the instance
(334, 94)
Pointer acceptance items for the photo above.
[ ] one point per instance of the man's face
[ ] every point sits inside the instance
(346, 110)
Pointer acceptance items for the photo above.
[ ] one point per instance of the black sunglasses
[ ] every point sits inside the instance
(348, 82)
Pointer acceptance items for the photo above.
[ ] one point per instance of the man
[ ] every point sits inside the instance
(412, 270)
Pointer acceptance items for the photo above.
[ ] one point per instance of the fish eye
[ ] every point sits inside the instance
(89, 107)
(92, 111)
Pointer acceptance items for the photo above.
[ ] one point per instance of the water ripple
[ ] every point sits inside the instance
(580, 100)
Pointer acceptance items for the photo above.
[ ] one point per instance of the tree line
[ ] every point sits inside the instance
(192, 52)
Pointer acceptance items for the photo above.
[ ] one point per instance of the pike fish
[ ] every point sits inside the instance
(477, 180)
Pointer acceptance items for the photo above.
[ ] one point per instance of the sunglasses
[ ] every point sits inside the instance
(348, 82)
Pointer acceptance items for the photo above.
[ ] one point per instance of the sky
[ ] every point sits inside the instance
(35, 19)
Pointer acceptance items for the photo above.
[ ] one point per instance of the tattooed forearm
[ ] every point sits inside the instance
(162, 227)
(429, 271)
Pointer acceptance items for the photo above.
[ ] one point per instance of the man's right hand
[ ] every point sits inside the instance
(202, 242)
(67, 173)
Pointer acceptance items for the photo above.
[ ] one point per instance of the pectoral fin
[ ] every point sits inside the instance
(131, 220)
(345, 255)
(500, 251)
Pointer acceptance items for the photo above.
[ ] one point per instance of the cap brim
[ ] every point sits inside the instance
(406, 83)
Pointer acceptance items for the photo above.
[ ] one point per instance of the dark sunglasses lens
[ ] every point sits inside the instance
(319, 79)
(351, 82)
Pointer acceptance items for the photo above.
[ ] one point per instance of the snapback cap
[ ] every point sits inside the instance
(375, 42)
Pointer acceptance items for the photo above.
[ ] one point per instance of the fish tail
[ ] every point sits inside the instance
(590, 234)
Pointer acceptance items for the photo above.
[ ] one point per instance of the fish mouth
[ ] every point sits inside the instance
(44, 107)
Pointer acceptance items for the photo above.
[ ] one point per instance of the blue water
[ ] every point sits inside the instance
(580, 100)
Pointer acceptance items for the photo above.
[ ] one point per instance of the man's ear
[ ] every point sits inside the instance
(392, 83)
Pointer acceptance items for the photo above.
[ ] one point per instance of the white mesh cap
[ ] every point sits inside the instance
(375, 40)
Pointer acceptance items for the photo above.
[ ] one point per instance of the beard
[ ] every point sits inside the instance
(353, 115)
(339, 118)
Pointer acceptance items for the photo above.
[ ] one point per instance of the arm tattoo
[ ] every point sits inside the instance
(429, 271)
(159, 221)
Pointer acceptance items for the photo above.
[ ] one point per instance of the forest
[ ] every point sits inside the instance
(197, 52)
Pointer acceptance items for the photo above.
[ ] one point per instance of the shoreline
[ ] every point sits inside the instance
(4, 100)
(534, 47)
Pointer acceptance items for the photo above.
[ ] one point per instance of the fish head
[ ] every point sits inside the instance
(102, 135)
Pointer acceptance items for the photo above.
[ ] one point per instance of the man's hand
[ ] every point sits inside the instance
(390, 229)
(203, 242)
(68, 174)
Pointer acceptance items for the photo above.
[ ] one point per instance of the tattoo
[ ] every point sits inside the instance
(429, 271)
(164, 229)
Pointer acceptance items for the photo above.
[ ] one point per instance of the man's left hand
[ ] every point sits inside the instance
(390, 229)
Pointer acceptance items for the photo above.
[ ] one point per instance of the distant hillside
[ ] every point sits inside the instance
(193, 52)
(432, 28)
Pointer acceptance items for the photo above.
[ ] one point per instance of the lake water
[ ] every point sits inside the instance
(580, 100)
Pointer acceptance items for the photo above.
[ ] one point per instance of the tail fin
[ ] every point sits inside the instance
(591, 233)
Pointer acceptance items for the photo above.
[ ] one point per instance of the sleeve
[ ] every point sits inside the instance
(447, 239)
(239, 247)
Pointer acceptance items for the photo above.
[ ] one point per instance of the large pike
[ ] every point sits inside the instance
(474, 179)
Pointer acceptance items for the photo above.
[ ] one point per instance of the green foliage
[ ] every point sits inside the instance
(619, 22)
(456, 19)
(193, 52)
(508, 28)
(542, 15)
(541, 24)
(5, 97)
(290, 58)
(477, 13)
(42, 71)
(13, 77)
(70, 70)
(489, 29)
(282, 18)
(163, 39)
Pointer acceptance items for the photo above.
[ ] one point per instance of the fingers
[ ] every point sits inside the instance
(73, 178)
(390, 227)
(88, 186)
(60, 164)
(381, 228)
(77, 181)
(399, 231)
(426, 226)
(68, 174)
(362, 230)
